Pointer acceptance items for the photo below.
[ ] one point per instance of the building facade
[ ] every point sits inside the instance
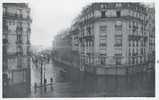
(62, 40)
(74, 31)
(62, 45)
(16, 45)
(114, 38)
(151, 32)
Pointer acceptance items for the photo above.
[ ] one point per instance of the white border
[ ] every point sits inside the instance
(109, 98)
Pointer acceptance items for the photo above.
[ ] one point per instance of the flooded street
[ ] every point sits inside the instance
(78, 84)
(68, 48)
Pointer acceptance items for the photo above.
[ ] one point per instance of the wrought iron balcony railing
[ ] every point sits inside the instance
(16, 16)
(19, 42)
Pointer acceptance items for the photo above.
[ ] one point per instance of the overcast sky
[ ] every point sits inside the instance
(50, 17)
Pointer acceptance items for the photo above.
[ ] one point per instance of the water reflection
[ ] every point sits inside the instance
(141, 84)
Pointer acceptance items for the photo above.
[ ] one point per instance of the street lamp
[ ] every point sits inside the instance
(41, 73)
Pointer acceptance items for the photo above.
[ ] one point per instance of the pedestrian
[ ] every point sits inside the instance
(45, 81)
(36, 63)
(48, 59)
(51, 81)
(35, 87)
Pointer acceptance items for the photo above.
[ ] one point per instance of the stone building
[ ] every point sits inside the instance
(62, 45)
(16, 45)
(74, 32)
(151, 32)
(113, 38)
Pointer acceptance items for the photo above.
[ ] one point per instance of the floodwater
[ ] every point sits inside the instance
(73, 83)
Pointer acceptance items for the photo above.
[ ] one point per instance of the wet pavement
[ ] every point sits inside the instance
(77, 84)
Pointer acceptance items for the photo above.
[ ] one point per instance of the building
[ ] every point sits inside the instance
(113, 38)
(74, 32)
(62, 45)
(62, 40)
(16, 45)
(65, 47)
(151, 32)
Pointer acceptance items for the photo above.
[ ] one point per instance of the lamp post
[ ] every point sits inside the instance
(41, 72)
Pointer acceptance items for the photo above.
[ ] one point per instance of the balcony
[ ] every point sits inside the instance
(8, 15)
(19, 42)
(29, 30)
(28, 42)
(118, 45)
(5, 41)
(19, 29)
(145, 38)
(134, 54)
(19, 53)
(19, 65)
(87, 37)
(134, 37)
(102, 44)
(5, 28)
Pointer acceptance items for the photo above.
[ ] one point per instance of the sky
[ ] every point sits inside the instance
(50, 17)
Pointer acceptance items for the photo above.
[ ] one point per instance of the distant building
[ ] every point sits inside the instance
(114, 38)
(62, 44)
(62, 41)
(16, 45)
(74, 32)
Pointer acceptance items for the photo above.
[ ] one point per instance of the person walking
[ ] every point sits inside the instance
(51, 81)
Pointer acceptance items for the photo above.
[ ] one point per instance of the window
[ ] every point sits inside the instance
(129, 43)
(102, 59)
(4, 10)
(118, 28)
(82, 31)
(19, 38)
(28, 24)
(19, 50)
(134, 28)
(142, 43)
(133, 60)
(144, 51)
(141, 51)
(140, 59)
(133, 52)
(103, 14)
(10, 22)
(103, 39)
(20, 13)
(89, 30)
(14, 22)
(129, 52)
(137, 43)
(118, 59)
(20, 24)
(118, 5)
(118, 40)
(130, 26)
(118, 13)
(129, 60)
(102, 44)
(102, 6)
(103, 30)
(133, 44)
(103, 36)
